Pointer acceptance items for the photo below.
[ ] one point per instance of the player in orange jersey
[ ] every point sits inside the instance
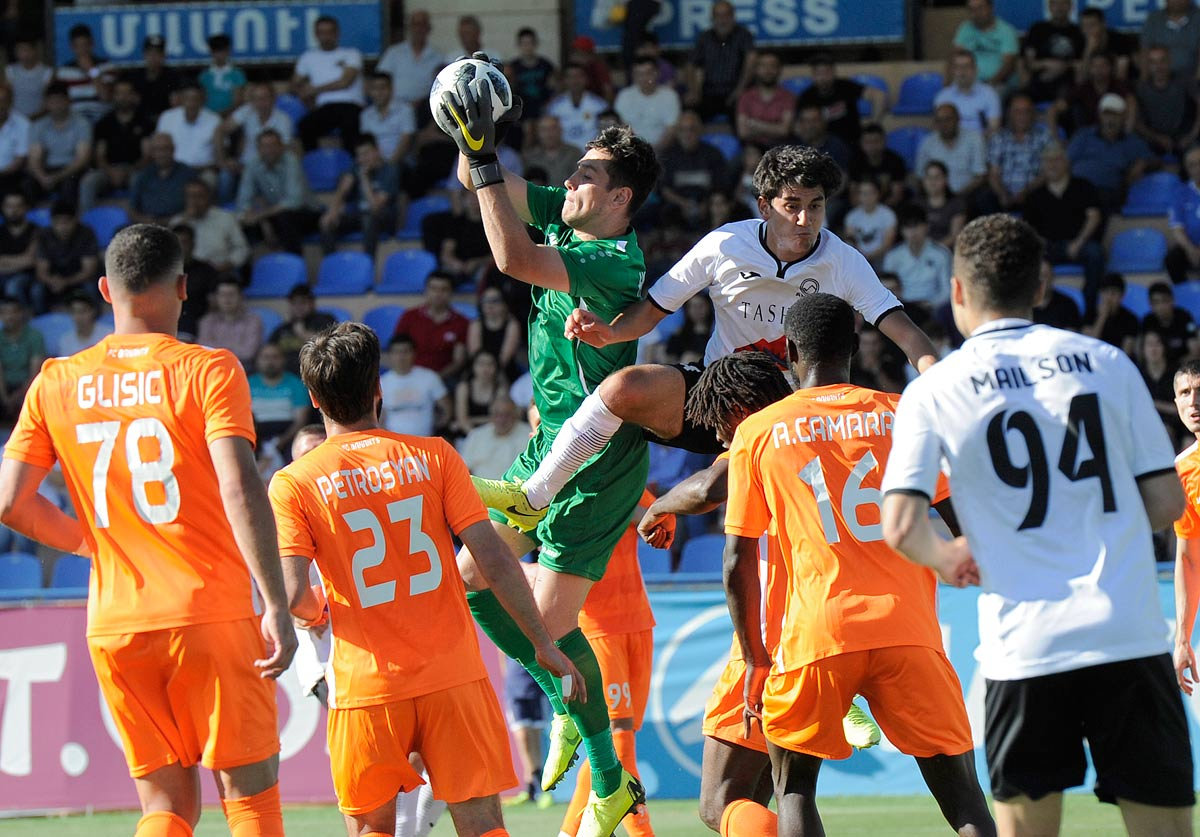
(375, 510)
(1187, 528)
(857, 617)
(617, 621)
(155, 440)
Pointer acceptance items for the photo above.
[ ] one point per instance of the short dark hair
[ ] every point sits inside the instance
(57, 88)
(645, 59)
(633, 162)
(143, 255)
(1113, 280)
(1001, 257)
(821, 59)
(1159, 288)
(873, 128)
(527, 31)
(575, 65)
(648, 38)
(267, 132)
(401, 340)
(218, 42)
(796, 166)
(184, 228)
(1092, 11)
(821, 328)
(380, 76)
(440, 276)
(340, 367)
(62, 208)
(734, 387)
(367, 138)
(1189, 366)
(327, 19)
(86, 298)
(80, 30)
(912, 214)
(301, 289)
(191, 84)
(5, 299)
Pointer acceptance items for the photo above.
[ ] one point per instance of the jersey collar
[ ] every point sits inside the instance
(781, 269)
(1002, 324)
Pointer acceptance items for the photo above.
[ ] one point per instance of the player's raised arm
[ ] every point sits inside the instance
(901, 330)
(516, 186)
(635, 321)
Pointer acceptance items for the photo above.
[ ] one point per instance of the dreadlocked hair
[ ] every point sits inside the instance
(733, 387)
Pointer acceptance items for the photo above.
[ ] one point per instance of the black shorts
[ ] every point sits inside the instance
(693, 437)
(1130, 714)
(525, 699)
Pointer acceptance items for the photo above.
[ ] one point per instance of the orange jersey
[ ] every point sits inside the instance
(617, 603)
(1187, 465)
(374, 509)
(130, 421)
(813, 463)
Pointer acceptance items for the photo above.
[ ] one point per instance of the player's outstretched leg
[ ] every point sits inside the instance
(795, 777)
(955, 786)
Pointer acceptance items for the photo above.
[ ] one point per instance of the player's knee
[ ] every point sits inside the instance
(712, 806)
(629, 391)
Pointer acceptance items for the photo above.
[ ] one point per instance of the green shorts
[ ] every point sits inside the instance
(587, 518)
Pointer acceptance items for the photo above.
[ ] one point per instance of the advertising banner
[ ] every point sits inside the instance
(1120, 14)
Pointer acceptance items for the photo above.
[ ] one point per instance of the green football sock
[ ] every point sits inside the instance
(591, 718)
(503, 630)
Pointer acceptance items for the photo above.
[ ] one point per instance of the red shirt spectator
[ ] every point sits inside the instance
(438, 332)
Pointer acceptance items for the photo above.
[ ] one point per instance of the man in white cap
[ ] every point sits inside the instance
(1107, 155)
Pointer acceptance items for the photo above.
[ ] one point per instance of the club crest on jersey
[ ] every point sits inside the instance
(808, 285)
(749, 274)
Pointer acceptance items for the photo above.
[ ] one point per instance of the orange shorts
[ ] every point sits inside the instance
(189, 695)
(626, 663)
(914, 694)
(723, 714)
(459, 733)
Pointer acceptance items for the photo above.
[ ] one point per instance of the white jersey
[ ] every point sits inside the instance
(751, 289)
(1044, 434)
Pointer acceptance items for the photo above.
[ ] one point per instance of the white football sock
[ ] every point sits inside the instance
(429, 810)
(406, 813)
(581, 437)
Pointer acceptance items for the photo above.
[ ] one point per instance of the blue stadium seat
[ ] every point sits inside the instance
(727, 144)
(1137, 299)
(702, 554)
(1076, 295)
(292, 106)
(871, 80)
(271, 319)
(52, 326)
(105, 221)
(796, 84)
(383, 319)
(405, 271)
(669, 324)
(345, 272)
(917, 93)
(1151, 195)
(1068, 270)
(275, 274)
(70, 571)
(20, 571)
(324, 166)
(468, 309)
(653, 561)
(1139, 250)
(39, 216)
(417, 210)
(1187, 296)
(905, 141)
(342, 315)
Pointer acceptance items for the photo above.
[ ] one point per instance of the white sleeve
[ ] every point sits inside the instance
(914, 463)
(302, 68)
(354, 59)
(690, 275)
(858, 285)
(1145, 436)
(993, 104)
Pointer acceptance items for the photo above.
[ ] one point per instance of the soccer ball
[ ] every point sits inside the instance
(467, 69)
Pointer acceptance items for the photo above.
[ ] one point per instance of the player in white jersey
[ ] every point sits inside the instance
(753, 271)
(1060, 469)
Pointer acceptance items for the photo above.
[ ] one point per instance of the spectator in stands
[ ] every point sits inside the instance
(1051, 48)
(991, 40)
(1173, 323)
(28, 76)
(273, 197)
(922, 264)
(159, 85)
(60, 147)
(599, 78)
(766, 110)
(193, 127)
(479, 386)
(329, 80)
(278, 400)
(156, 191)
(391, 123)
(18, 248)
(1108, 155)
(497, 332)
(252, 118)
(871, 224)
(1015, 155)
(1158, 371)
(646, 106)
(86, 330)
(1054, 308)
(557, 158)
(1167, 110)
(1066, 211)
(838, 99)
(304, 322)
(723, 209)
(576, 108)
(1098, 37)
(14, 144)
(458, 239)
(978, 104)
(1111, 321)
(88, 77)
(873, 366)
(364, 201)
(121, 139)
(470, 35)
(872, 158)
(721, 64)
(490, 448)
(438, 332)
(1176, 26)
(230, 324)
(201, 282)
(946, 211)
(531, 74)
(219, 239)
(223, 83)
(412, 63)
(688, 342)
(813, 131)
(649, 47)
(1183, 221)
(415, 399)
(691, 170)
(22, 351)
(961, 152)
(67, 260)
(1080, 105)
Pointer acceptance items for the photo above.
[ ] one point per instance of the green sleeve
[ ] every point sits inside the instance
(545, 204)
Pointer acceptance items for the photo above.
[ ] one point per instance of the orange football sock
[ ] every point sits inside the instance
(255, 816)
(637, 823)
(496, 832)
(583, 785)
(162, 824)
(744, 818)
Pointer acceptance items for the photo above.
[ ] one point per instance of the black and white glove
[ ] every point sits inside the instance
(465, 115)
